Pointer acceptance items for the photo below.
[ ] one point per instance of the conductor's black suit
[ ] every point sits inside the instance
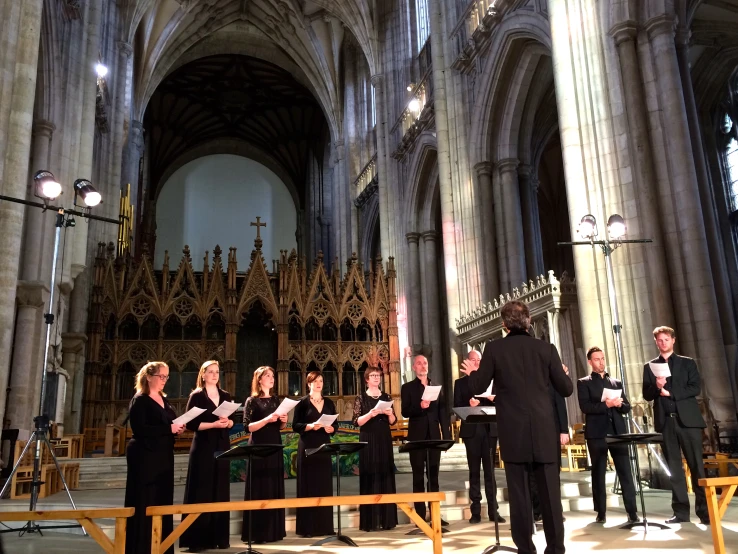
(424, 424)
(522, 368)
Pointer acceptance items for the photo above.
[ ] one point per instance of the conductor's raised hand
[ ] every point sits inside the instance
(425, 404)
(467, 367)
(177, 428)
(473, 402)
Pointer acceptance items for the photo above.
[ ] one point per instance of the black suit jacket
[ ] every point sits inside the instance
(522, 368)
(559, 406)
(683, 385)
(432, 423)
(462, 395)
(597, 414)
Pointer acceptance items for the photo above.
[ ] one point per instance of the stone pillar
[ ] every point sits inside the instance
(531, 222)
(73, 358)
(693, 293)
(383, 182)
(342, 230)
(513, 225)
(132, 156)
(423, 298)
(486, 210)
(434, 338)
(415, 290)
(20, 44)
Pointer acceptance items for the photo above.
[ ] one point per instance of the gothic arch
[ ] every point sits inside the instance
(424, 170)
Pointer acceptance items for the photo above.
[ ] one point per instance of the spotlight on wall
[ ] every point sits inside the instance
(414, 105)
(102, 70)
(84, 189)
(616, 227)
(410, 87)
(588, 227)
(45, 185)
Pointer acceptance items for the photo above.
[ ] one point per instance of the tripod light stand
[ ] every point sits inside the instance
(49, 189)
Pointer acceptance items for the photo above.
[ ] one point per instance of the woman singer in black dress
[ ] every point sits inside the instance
(267, 479)
(208, 479)
(150, 456)
(314, 473)
(376, 461)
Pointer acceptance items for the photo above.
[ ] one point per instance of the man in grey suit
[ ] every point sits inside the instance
(522, 368)
(677, 416)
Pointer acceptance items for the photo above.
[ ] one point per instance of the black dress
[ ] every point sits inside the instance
(314, 473)
(376, 465)
(150, 478)
(208, 480)
(268, 474)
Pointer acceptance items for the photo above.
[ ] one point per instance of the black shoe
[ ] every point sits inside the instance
(633, 518)
(676, 519)
(601, 518)
(705, 520)
(444, 523)
(475, 518)
(498, 517)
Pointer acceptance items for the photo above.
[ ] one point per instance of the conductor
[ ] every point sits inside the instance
(522, 368)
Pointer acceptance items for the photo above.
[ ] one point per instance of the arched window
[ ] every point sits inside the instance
(216, 328)
(729, 158)
(295, 331)
(294, 381)
(330, 380)
(378, 334)
(422, 22)
(364, 331)
(329, 331)
(128, 328)
(173, 329)
(150, 329)
(348, 333)
(312, 330)
(349, 380)
(193, 329)
(125, 384)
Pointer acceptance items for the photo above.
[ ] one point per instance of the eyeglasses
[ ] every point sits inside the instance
(377, 375)
(162, 377)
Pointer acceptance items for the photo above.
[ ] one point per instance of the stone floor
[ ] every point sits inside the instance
(583, 535)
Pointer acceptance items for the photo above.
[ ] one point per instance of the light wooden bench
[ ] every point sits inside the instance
(717, 506)
(84, 517)
(405, 502)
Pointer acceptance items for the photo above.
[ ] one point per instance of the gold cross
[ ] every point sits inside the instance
(258, 224)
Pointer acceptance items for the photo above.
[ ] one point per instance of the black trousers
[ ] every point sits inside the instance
(481, 448)
(420, 467)
(598, 453)
(680, 440)
(521, 513)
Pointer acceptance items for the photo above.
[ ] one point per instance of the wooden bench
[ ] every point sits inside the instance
(399, 432)
(405, 502)
(717, 506)
(84, 517)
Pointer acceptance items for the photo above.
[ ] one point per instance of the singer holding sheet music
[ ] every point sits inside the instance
(314, 473)
(677, 416)
(268, 473)
(150, 456)
(207, 478)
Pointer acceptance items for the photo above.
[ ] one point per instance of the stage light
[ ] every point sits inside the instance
(588, 227)
(414, 105)
(84, 189)
(616, 227)
(410, 87)
(101, 70)
(47, 185)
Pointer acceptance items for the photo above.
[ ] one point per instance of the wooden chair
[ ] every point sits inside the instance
(576, 451)
(399, 432)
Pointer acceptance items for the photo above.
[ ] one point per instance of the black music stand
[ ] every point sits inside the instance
(634, 439)
(337, 449)
(427, 445)
(477, 415)
(248, 452)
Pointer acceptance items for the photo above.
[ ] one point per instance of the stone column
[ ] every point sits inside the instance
(383, 182)
(20, 44)
(487, 215)
(434, 338)
(414, 292)
(513, 224)
(73, 357)
(132, 156)
(694, 297)
(342, 230)
(423, 297)
(531, 222)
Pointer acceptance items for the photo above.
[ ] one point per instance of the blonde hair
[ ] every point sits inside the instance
(200, 384)
(255, 385)
(148, 370)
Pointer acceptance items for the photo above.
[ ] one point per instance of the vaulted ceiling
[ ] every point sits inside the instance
(240, 98)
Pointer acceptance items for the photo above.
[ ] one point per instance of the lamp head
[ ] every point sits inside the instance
(89, 195)
(46, 185)
(588, 227)
(101, 70)
(616, 227)
(414, 105)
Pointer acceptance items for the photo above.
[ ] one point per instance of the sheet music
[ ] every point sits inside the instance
(486, 393)
(660, 370)
(226, 409)
(383, 405)
(431, 392)
(610, 394)
(191, 414)
(489, 410)
(286, 406)
(326, 420)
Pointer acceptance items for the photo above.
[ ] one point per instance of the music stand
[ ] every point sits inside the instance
(427, 445)
(248, 452)
(477, 416)
(337, 449)
(634, 439)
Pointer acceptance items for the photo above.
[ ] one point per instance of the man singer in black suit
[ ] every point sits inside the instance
(427, 420)
(677, 416)
(602, 419)
(522, 368)
(480, 441)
